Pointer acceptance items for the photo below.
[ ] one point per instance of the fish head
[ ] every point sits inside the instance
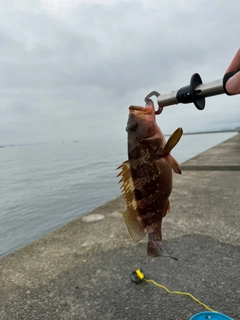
(144, 134)
(142, 122)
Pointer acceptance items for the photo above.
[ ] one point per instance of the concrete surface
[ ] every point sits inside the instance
(82, 271)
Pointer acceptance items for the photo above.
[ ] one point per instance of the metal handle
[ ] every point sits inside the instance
(196, 92)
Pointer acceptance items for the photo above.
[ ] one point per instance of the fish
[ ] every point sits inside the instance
(146, 177)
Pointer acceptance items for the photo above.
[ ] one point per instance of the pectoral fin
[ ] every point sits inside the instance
(173, 140)
(175, 165)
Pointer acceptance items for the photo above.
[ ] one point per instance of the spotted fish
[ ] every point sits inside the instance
(146, 177)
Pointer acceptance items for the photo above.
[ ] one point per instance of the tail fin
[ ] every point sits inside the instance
(156, 248)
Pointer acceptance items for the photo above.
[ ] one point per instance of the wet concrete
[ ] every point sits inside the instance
(82, 271)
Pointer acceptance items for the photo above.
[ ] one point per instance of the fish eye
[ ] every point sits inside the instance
(133, 126)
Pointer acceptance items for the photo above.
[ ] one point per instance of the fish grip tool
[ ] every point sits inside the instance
(138, 277)
(195, 92)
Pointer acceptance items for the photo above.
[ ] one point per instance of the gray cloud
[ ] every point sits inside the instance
(65, 64)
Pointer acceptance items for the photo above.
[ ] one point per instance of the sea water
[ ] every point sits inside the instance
(45, 186)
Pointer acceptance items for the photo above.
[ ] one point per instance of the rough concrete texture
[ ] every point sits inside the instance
(82, 271)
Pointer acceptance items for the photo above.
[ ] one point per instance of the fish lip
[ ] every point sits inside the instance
(141, 110)
(136, 108)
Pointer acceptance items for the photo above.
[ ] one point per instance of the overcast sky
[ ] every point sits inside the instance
(69, 69)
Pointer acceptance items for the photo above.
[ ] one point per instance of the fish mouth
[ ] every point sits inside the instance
(136, 108)
(142, 112)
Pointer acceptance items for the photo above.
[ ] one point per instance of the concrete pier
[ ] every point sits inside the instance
(82, 271)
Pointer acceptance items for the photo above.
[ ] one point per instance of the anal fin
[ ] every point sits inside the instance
(131, 217)
(167, 208)
(134, 224)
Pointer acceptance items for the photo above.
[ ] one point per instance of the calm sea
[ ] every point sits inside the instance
(45, 186)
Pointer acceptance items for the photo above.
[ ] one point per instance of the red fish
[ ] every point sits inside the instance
(147, 177)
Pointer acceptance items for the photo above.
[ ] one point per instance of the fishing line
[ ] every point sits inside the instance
(138, 276)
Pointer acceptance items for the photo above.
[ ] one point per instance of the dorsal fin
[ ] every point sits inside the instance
(131, 217)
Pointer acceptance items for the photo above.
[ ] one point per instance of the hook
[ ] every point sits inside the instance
(157, 94)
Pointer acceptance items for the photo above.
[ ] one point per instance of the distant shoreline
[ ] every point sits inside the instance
(218, 131)
(208, 132)
(75, 141)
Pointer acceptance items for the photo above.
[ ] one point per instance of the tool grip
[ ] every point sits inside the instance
(225, 79)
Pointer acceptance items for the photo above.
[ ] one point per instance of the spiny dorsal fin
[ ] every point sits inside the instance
(172, 141)
(131, 217)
